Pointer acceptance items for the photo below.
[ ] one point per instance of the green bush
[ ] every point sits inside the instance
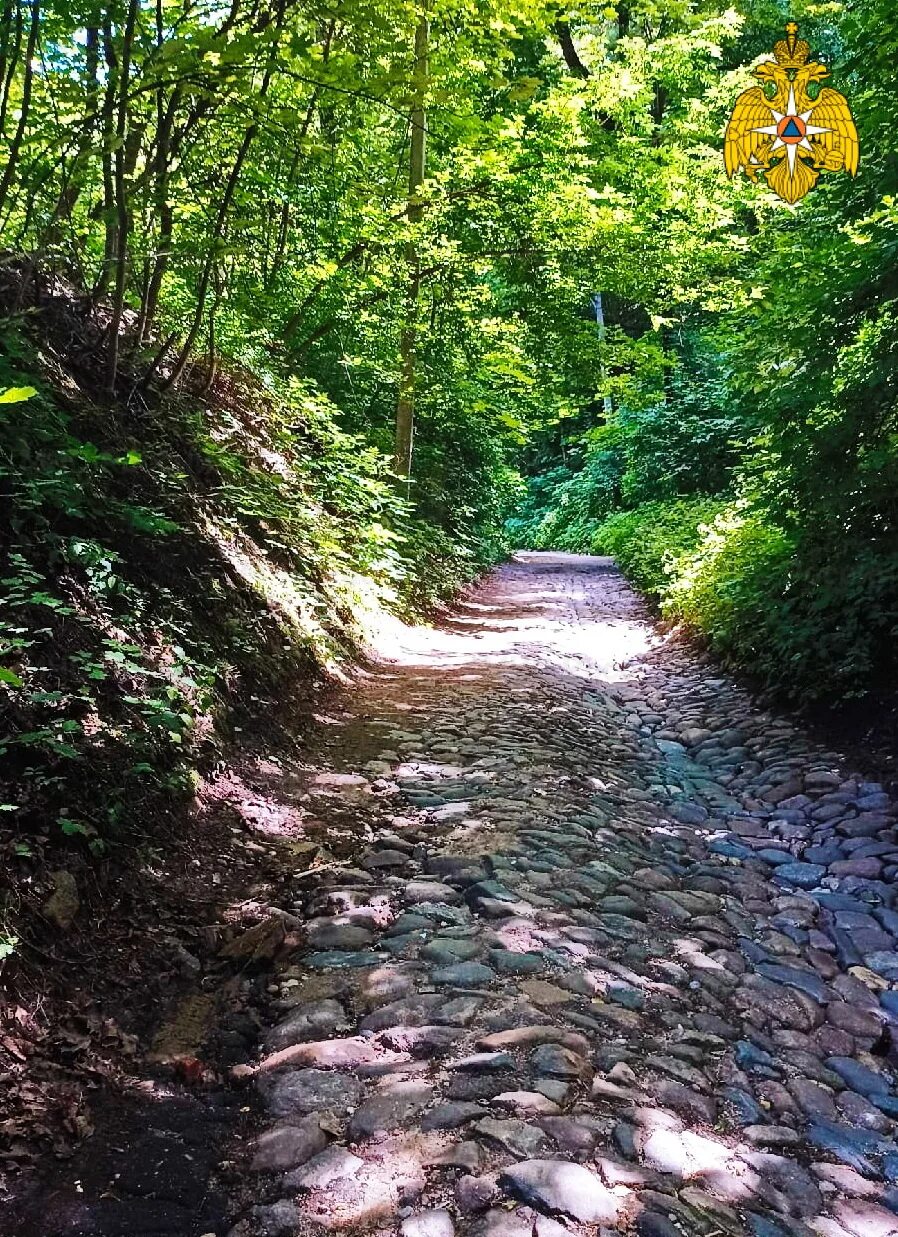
(808, 614)
(158, 578)
(651, 540)
(563, 509)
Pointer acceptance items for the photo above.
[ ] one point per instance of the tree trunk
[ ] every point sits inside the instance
(122, 206)
(600, 324)
(405, 404)
(71, 186)
(165, 120)
(12, 156)
(569, 50)
(107, 141)
(221, 218)
(10, 63)
(8, 55)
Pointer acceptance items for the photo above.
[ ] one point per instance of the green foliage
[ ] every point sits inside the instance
(148, 592)
(8, 943)
(563, 509)
(651, 542)
(740, 456)
(809, 616)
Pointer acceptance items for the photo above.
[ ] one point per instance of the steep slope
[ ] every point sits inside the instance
(182, 577)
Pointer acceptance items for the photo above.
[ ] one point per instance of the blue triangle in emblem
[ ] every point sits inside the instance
(791, 130)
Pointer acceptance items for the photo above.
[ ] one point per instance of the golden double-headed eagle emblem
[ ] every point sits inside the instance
(790, 128)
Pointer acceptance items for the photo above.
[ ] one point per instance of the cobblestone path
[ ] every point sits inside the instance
(618, 957)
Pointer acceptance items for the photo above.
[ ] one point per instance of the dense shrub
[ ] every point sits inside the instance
(563, 508)
(650, 541)
(807, 614)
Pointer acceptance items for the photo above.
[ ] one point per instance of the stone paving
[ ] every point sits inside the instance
(620, 956)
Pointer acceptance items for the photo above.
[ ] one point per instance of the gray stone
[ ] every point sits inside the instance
(464, 975)
(476, 1086)
(309, 1021)
(559, 1187)
(329, 1165)
(520, 1223)
(451, 1115)
(325, 934)
(515, 1136)
(430, 891)
(794, 977)
(859, 1077)
(466, 1155)
(446, 951)
(64, 902)
(526, 1103)
(804, 875)
(689, 813)
(507, 962)
(771, 1136)
(385, 859)
(553, 1061)
(486, 1061)
(474, 1194)
(279, 1220)
(410, 1011)
(286, 1146)
(329, 959)
(394, 1108)
(312, 1090)
(576, 1135)
(653, 1224)
(432, 1223)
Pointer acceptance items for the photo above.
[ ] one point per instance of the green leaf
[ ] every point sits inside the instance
(75, 828)
(16, 395)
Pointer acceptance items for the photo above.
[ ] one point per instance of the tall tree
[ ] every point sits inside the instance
(417, 167)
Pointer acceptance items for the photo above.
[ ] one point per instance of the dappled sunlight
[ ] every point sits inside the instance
(392, 1172)
(258, 811)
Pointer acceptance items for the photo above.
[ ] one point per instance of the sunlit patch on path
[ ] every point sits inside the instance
(574, 612)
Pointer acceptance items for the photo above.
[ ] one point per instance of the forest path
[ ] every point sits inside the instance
(617, 954)
(592, 945)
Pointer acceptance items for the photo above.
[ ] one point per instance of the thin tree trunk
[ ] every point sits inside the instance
(122, 206)
(7, 55)
(405, 404)
(284, 222)
(70, 188)
(569, 49)
(209, 264)
(221, 218)
(12, 156)
(107, 134)
(212, 371)
(165, 119)
(600, 325)
(9, 71)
